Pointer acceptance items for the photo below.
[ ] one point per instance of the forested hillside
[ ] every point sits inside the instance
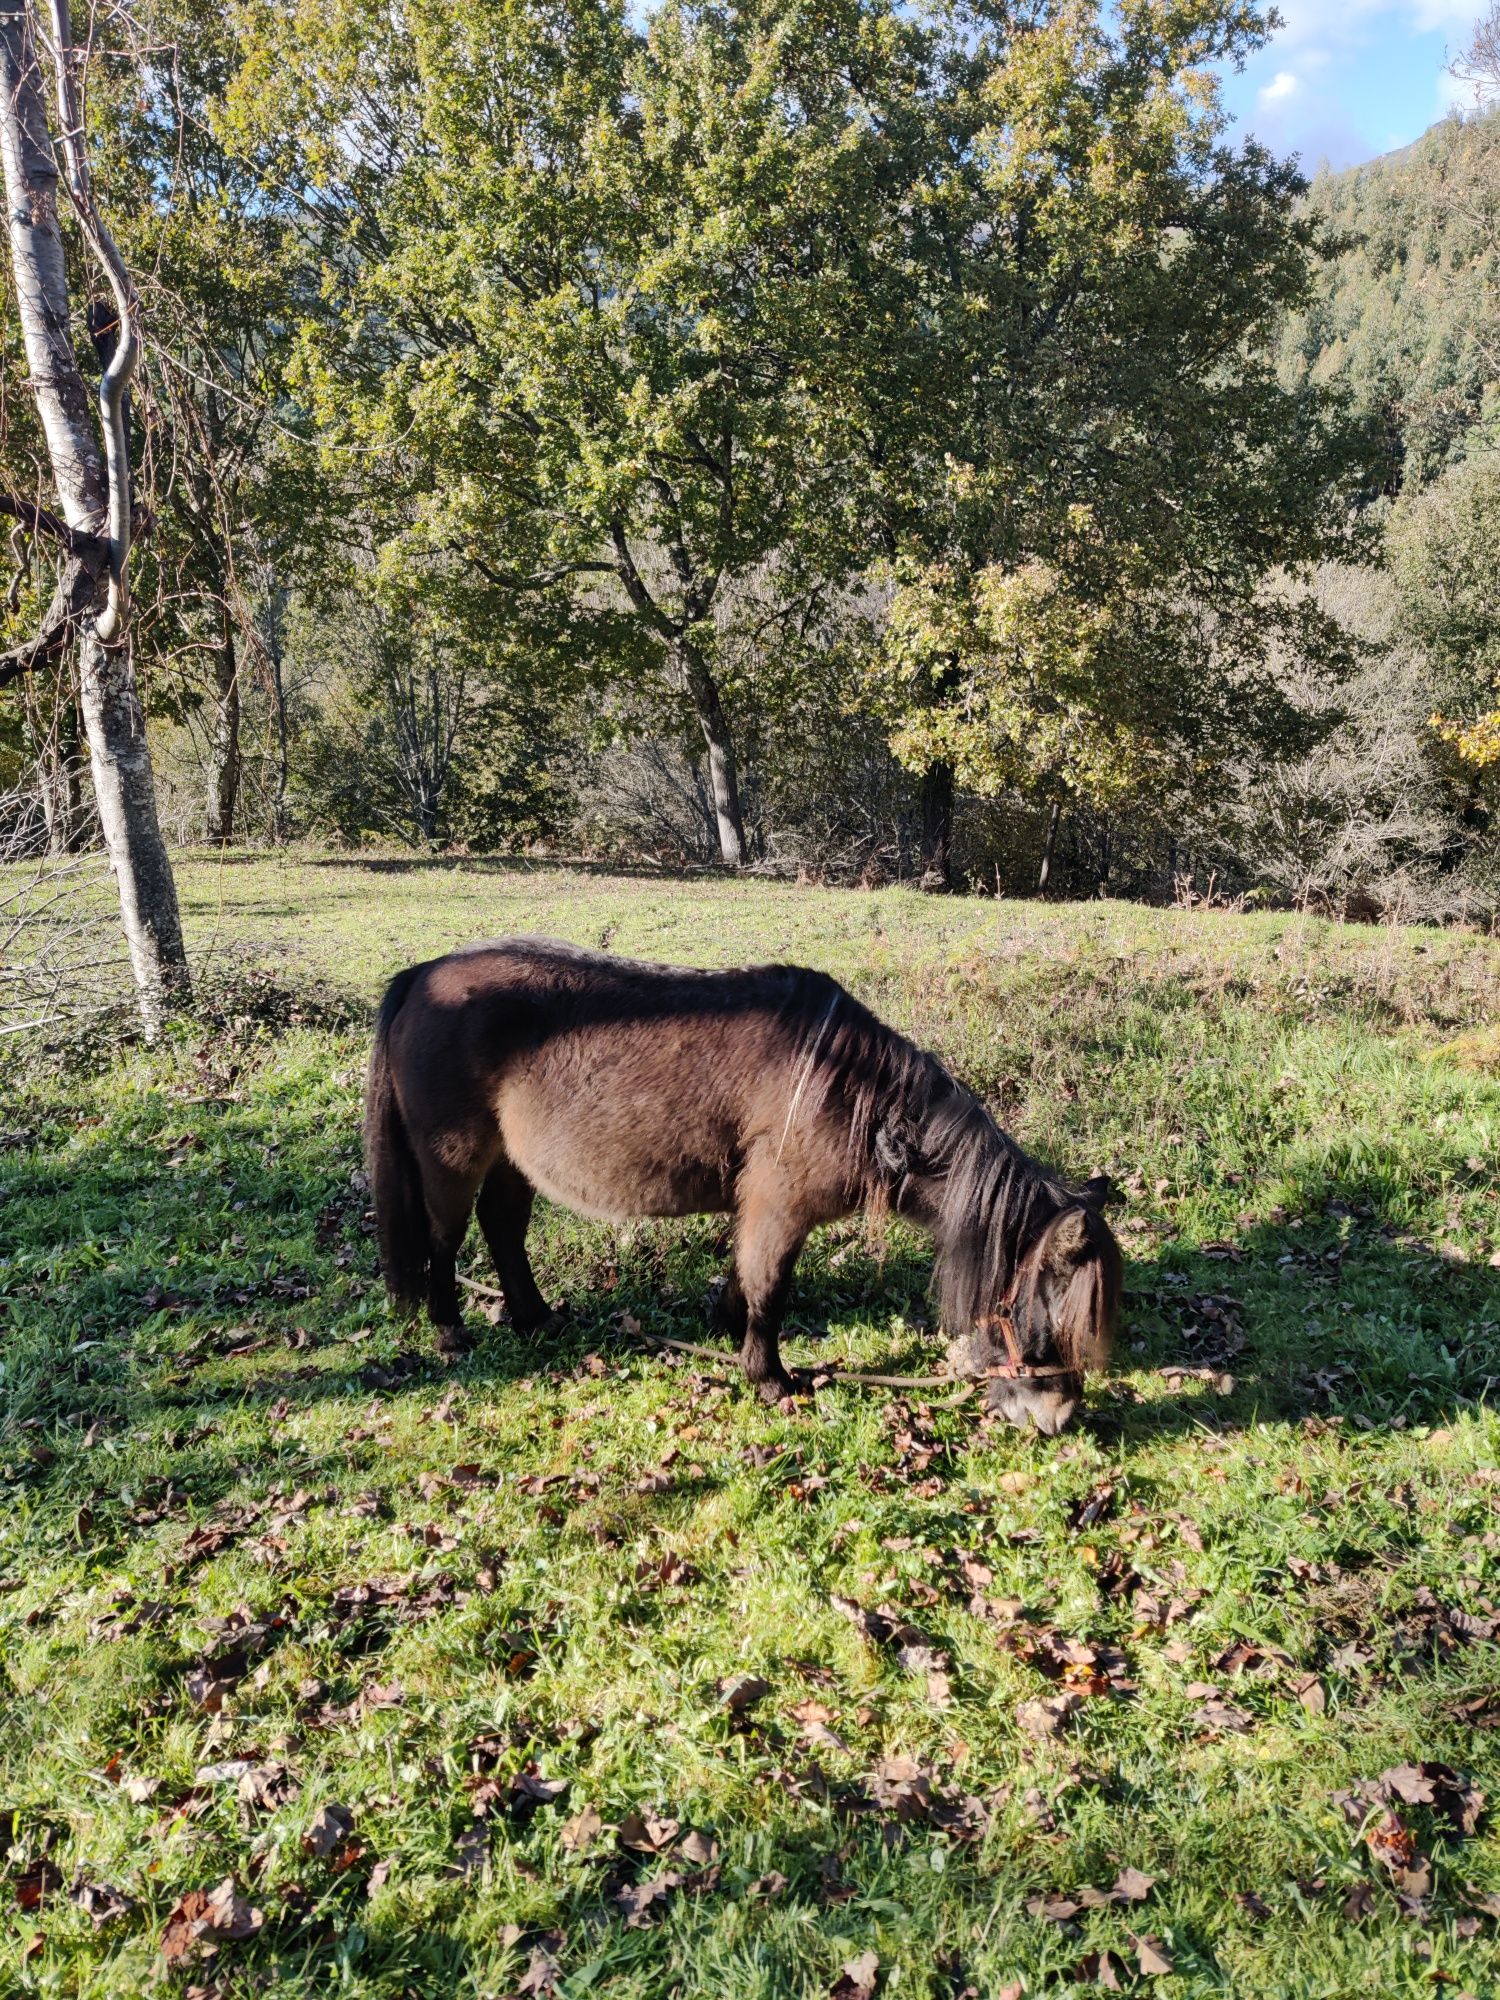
(1406, 313)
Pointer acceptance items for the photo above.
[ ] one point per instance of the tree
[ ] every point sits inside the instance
(1444, 548)
(93, 531)
(1110, 467)
(225, 282)
(607, 294)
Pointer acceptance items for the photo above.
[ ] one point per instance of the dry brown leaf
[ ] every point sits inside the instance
(1050, 1716)
(1151, 1958)
(858, 1979)
(327, 1830)
(743, 1693)
(582, 1830)
(647, 1835)
(204, 1919)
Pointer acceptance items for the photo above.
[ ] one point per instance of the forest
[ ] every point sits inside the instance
(854, 441)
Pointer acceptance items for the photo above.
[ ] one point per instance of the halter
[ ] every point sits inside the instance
(1016, 1368)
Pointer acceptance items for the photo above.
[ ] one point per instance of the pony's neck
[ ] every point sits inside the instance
(982, 1199)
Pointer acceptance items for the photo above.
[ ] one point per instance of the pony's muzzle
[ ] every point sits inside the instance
(1048, 1407)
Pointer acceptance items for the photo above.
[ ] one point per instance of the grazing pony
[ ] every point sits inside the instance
(769, 1093)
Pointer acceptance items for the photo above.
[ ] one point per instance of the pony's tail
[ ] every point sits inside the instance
(395, 1178)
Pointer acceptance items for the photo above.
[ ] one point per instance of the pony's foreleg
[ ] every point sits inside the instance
(767, 1243)
(504, 1210)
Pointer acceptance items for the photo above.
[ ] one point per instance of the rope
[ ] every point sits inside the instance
(724, 1361)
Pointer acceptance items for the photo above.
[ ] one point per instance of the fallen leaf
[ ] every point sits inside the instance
(1048, 1717)
(637, 1900)
(203, 1920)
(1311, 1692)
(580, 1832)
(743, 1693)
(1101, 1968)
(858, 1978)
(1054, 1909)
(328, 1828)
(1151, 1958)
(647, 1835)
(36, 1883)
(98, 1901)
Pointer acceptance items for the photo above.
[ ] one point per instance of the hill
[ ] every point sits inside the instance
(1406, 312)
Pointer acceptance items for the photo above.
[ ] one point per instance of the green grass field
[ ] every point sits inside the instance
(533, 1675)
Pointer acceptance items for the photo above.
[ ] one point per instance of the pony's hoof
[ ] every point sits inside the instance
(452, 1341)
(775, 1388)
(550, 1322)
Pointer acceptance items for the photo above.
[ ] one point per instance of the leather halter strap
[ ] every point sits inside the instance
(1016, 1368)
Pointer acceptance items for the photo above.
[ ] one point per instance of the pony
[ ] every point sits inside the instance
(768, 1093)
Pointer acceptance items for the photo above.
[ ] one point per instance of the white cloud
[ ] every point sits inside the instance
(1347, 22)
(1282, 86)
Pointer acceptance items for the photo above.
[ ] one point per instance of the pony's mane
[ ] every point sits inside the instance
(923, 1133)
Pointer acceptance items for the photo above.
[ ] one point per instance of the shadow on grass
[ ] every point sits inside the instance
(520, 864)
(1336, 1312)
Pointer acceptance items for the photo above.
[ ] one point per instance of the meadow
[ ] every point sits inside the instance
(571, 1669)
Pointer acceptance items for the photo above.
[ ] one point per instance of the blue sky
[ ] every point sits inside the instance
(1343, 80)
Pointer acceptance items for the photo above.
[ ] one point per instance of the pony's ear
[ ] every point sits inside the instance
(1097, 1192)
(894, 1153)
(1066, 1236)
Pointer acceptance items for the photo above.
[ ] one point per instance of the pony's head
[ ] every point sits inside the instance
(1028, 1270)
(1056, 1320)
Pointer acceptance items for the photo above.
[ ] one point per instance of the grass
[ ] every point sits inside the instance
(261, 1558)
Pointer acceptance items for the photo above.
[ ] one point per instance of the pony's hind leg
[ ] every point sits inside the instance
(504, 1210)
(767, 1242)
(450, 1202)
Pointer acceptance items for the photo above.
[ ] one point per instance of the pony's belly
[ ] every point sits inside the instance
(601, 1196)
(606, 1165)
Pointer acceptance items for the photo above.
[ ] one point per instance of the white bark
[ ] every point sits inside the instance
(124, 787)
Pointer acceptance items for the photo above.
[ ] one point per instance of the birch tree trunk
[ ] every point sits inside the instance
(124, 787)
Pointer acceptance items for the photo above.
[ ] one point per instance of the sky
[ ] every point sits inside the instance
(1345, 80)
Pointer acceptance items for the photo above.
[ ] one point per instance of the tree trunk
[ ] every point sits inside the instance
(723, 776)
(1049, 847)
(125, 791)
(224, 741)
(936, 802)
(113, 721)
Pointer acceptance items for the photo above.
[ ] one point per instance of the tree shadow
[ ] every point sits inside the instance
(521, 864)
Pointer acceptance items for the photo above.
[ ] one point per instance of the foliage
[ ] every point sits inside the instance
(1121, 468)
(1444, 545)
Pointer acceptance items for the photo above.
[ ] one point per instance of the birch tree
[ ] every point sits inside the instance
(91, 473)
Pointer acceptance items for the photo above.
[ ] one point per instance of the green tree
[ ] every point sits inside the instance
(1111, 467)
(1444, 547)
(607, 297)
(226, 282)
